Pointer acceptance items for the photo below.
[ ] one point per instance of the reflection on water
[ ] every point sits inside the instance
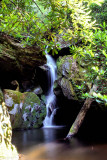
(54, 151)
(28, 138)
(48, 144)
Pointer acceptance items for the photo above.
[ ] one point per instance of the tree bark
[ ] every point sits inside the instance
(81, 115)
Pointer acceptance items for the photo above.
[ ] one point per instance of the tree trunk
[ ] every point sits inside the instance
(81, 115)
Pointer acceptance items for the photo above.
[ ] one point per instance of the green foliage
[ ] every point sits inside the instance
(94, 57)
(42, 21)
(45, 22)
(99, 12)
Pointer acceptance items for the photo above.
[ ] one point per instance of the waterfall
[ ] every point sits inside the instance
(50, 98)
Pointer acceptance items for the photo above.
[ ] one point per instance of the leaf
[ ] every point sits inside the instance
(96, 69)
(104, 53)
(92, 54)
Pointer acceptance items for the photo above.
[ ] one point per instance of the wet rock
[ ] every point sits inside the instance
(44, 67)
(26, 109)
(38, 90)
(57, 89)
(26, 85)
(7, 150)
(43, 98)
(51, 108)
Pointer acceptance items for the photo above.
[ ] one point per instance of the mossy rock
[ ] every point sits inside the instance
(7, 150)
(68, 89)
(71, 77)
(31, 98)
(15, 59)
(12, 98)
(26, 109)
(43, 98)
(33, 111)
(1, 96)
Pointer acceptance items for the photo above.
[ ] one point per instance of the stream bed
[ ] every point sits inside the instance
(49, 144)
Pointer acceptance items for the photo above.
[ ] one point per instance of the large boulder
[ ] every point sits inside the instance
(25, 109)
(71, 79)
(7, 150)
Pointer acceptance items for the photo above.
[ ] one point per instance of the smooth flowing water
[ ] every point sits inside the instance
(48, 144)
(50, 98)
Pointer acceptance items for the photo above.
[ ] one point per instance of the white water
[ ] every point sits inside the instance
(50, 98)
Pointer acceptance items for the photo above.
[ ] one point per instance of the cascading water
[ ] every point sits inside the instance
(50, 98)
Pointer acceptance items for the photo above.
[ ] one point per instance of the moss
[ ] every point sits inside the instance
(72, 90)
(1, 96)
(31, 114)
(7, 51)
(31, 98)
(18, 120)
(68, 89)
(34, 112)
(35, 126)
(43, 98)
(71, 77)
(15, 95)
(25, 125)
(72, 129)
(64, 65)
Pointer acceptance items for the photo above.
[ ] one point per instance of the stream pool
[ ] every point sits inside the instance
(48, 144)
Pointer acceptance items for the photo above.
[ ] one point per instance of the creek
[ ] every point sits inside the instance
(48, 143)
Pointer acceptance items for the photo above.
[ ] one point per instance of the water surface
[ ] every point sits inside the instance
(48, 144)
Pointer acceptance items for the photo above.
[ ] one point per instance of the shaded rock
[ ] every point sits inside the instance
(43, 98)
(38, 90)
(57, 89)
(42, 79)
(24, 56)
(7, 150)
(1, 96)
(27, 85)
(44, 67)
(68, 89)
(26, 109)
(15, 85)
(67, 67)
(16, 61)
(71, 78)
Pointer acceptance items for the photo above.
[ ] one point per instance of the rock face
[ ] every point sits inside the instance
(16, 61)
(71, 78)
(25, 109)
(7, 150)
